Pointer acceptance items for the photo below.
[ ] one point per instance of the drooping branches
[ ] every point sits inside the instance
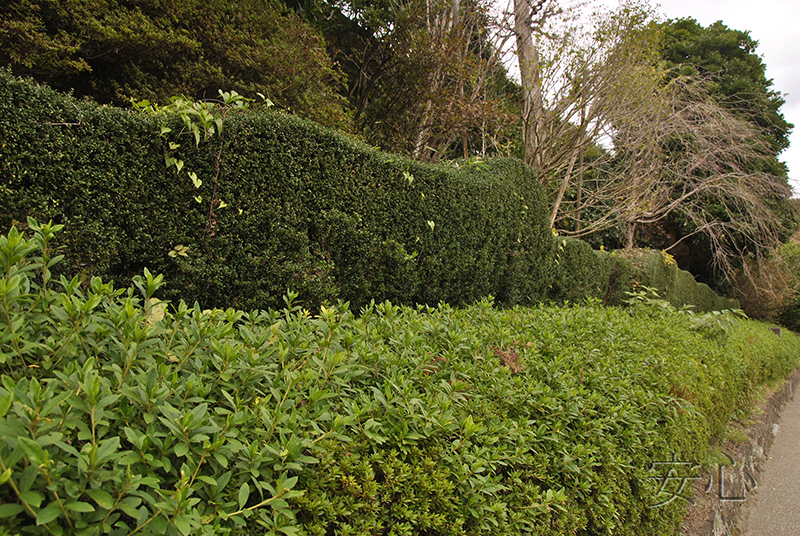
(620, 141)
(685, 153)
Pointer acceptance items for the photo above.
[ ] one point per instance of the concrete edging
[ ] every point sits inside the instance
(721, 495)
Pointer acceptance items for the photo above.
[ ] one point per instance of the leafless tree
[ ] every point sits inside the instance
(661, 144)
(575, 68)
(680, 151)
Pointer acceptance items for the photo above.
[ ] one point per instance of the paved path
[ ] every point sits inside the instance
(774, 510)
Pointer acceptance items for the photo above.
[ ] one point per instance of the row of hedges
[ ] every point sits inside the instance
(308, 210)
(119, 416)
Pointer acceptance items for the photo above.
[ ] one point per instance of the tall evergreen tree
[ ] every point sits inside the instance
(739, 80)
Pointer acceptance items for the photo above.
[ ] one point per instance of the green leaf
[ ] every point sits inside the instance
(108, 448)
(32, 498)
(5, 476)
(159, 524)
(78, 506)
(181, 449)
(101, 497)
(32, 450)
(11, 509)
(244, 494)
(129, 509)
(128, 457)
(182, 522)
(68, 448)
(207, 479)
(55, 260)
(5, 404)
(47, 514)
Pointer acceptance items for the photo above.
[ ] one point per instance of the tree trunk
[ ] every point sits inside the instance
(532, 100)
(561, 191)
(629, 238)
(579, 199)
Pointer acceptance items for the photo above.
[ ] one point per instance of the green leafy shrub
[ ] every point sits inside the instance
(122, 414)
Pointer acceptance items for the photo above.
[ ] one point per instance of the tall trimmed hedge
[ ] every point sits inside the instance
(308, 209)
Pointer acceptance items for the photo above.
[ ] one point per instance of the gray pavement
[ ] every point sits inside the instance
(774, 510)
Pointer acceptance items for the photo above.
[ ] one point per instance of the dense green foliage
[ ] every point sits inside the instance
(419, 78)
(112, 50)
(405, 81)
(308, 209)
(320, 214)
(119, 415)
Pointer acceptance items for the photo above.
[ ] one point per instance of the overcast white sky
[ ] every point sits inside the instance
(775, 24)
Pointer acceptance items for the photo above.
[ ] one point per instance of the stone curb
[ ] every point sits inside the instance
(726, 513)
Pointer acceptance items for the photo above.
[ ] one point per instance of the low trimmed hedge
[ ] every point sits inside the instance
(121, 415)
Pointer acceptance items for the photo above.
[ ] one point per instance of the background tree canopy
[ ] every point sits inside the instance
(151, 49)
(739, 75)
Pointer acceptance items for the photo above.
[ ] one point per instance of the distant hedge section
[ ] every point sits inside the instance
(659, 271)
(307, 209)
(581, 272)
